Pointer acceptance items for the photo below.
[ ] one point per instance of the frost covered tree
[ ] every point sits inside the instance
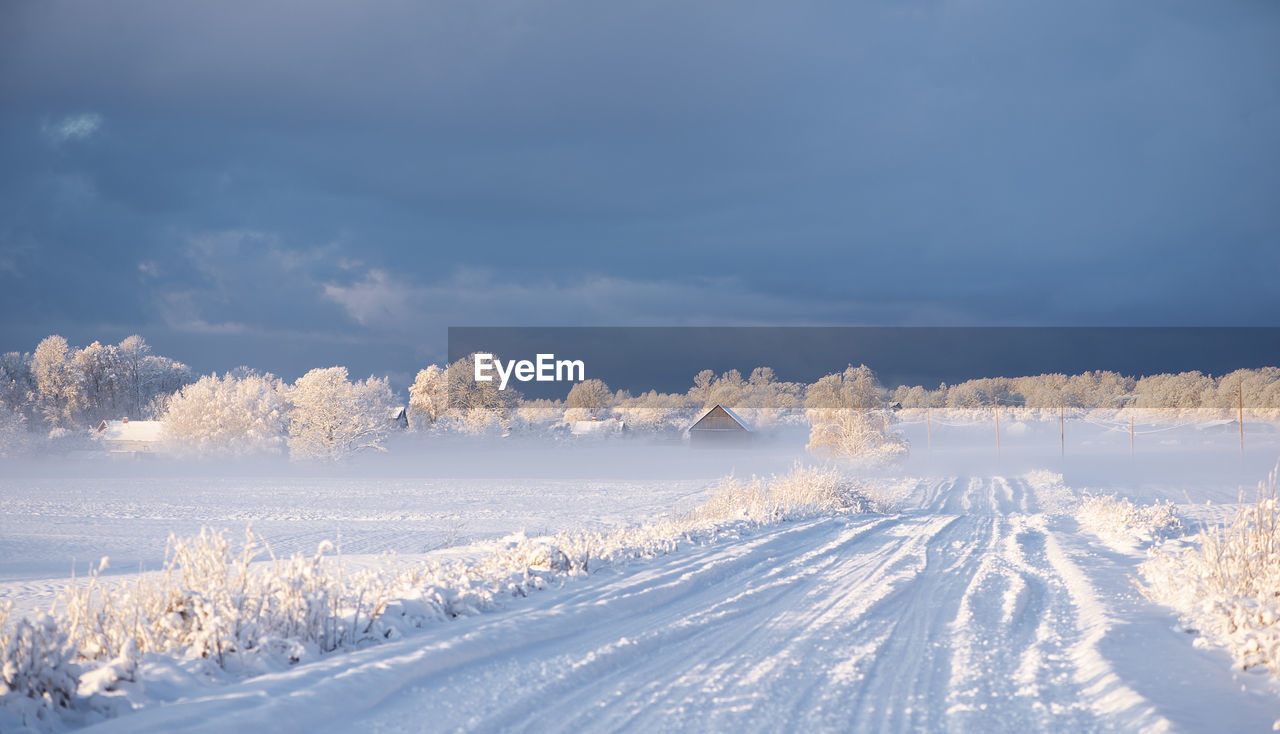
(166, 376)
(59, 390)
(134, 376)
(857, 388)
(728, 389)
(333, 418)
(99, 368)
(765, 399)
(848, 420)
(143, 376)
(428, 398)
(541, 414)
(478, 407)
(700, 394)
(656, 412)
(863, 435)
(228, 416)
(1182, 390)
(17, 383)
(590, 396)
(913, 396)
(14, 438)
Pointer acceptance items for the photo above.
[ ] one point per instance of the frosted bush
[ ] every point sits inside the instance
(1224, 585)
(1121, 521)
(805, 491)
(37, 675)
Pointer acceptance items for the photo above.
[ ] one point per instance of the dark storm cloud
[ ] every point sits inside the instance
(351, 178)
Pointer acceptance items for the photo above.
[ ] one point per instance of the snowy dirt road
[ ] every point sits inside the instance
(977, 609)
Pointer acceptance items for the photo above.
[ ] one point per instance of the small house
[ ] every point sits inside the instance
(719, 426)
(130, 437)
(400, 418)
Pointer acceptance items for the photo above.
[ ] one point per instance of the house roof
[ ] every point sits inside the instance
(148, 431)
(609, 425)
(736, 418)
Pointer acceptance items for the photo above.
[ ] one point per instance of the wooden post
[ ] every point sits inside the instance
(1240, 406)
(1062, 427)
(997, 409)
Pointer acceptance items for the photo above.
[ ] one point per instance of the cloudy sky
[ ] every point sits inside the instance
(300, 183)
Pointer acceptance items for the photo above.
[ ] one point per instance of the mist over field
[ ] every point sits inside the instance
(915, 367)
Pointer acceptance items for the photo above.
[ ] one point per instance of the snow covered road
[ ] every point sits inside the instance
(975, 610)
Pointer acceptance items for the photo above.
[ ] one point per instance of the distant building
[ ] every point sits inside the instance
(130, 437)
(719, 426)
(400, 417)
(593, 427)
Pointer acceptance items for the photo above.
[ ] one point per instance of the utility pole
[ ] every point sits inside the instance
(1062, 426)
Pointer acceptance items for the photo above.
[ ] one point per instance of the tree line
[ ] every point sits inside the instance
(324, 414)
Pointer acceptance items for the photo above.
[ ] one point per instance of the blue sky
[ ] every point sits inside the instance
(295, 184)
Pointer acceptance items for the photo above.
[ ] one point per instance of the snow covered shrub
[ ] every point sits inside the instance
(211, 602)
(805, 491)
(37, 675)
(866, 436)
(1119, 520)
(1224, 584)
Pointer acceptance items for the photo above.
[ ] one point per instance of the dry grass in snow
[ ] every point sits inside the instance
(1121, 522)
(237, 609)
(1226, 586)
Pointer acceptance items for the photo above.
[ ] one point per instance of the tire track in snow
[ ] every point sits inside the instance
(962, 615)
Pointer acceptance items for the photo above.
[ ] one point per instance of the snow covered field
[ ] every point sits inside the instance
(980, 603)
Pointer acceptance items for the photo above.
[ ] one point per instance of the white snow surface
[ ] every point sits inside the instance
(972, 611)
(980, 603)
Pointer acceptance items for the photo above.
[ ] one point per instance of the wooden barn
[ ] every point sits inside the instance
(719, 426)
(400, 418)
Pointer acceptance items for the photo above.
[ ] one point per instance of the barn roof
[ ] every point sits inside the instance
(148, 431)
(727, 411)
